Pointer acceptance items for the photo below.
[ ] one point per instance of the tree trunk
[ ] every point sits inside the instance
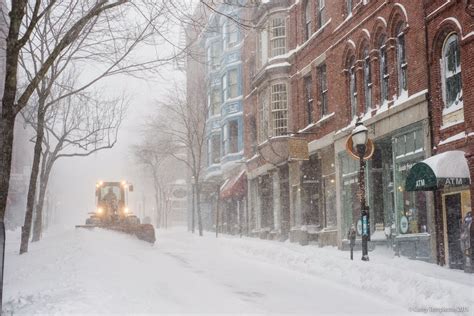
(193, 210)
(198, 208)
(7, 125)
(38, 225)
(26, 229)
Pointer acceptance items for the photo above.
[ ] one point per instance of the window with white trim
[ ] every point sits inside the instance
(321, 13)
(214, 55)
(401, 59)
(262, 131)
(277, 36)
(451, 63)
(383, 70)
(279, 106)
(323, 89)
(262, 48)
(233, 34)
(215, 148)
(224, 87)
(215, 101)
(308, 16)
(367, 80)
(233, 89)
(353, 87)
(349, 7)
(308, 85)
(233, 136)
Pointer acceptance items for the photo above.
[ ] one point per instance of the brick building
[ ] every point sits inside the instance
(450, 64)
(311, 69)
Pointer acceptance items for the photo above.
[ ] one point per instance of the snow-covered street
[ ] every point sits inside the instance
(96, 271)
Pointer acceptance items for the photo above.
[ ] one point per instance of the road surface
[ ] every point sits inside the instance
(98, 271)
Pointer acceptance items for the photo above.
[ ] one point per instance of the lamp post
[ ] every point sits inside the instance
(361, 147)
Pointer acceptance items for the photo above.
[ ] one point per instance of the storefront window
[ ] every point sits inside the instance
(350, 190)
(411, 208)
(330, 200)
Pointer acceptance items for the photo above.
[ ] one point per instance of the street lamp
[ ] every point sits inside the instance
(362, 148)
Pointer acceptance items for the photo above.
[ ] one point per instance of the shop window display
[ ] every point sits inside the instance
(411, 208)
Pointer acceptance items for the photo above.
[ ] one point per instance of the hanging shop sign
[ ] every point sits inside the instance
(369, 151)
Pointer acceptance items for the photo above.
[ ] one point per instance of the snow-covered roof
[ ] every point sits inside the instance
(449, 164)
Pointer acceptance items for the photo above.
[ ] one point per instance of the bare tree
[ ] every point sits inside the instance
(45, 37)
(153, 154)
(80, 125)
(182, 122)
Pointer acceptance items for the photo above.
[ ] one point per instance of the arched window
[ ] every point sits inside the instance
(383, 70)
(367, 80)
(307, 19)
(451, 62)
(349, 7)
(353, 86)
(401, 59)
(321, 13)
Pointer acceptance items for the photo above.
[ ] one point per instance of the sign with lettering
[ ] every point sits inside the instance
(453, 182)
(365, 225)
(420, 183)
(422, 178)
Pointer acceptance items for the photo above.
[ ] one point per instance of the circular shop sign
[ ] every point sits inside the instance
(179, 193)
(403, 224)
(359, 227)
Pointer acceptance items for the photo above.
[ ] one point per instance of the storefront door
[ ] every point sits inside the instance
(453, 220)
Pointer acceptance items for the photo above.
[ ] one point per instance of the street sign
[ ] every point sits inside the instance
(365, 225)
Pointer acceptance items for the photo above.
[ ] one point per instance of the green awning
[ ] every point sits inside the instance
(448, 169)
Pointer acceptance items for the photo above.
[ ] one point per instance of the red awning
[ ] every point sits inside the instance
(235, 188)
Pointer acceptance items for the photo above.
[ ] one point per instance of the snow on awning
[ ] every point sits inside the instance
(448, 169)
(235, 187)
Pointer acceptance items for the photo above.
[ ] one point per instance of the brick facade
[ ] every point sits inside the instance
(453, 130)
(382, 55)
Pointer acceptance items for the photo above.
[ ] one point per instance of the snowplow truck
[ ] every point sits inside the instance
(113, 213)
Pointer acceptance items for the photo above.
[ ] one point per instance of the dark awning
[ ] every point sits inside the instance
(448, 169)
(235, 188)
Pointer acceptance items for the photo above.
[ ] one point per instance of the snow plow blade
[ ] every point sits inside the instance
(145, 232)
